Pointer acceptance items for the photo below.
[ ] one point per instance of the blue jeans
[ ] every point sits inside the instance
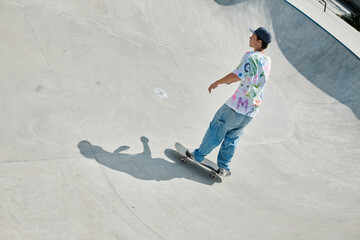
(226, 127)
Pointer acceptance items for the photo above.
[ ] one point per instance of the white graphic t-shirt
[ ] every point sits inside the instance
(254, 70)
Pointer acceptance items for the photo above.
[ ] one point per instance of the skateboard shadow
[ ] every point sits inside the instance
(143, 166)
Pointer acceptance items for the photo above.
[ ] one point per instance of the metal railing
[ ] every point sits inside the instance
(325, 5)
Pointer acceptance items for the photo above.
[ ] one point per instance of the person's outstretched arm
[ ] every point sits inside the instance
(228, 79)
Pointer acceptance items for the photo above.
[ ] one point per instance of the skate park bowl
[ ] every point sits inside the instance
(94, 94)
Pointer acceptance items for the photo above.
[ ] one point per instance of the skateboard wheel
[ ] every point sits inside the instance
(183, 160)
(213, 176)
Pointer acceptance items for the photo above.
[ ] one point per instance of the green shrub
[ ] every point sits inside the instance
(353, 19)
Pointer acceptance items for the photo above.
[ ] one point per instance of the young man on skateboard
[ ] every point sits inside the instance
(230, 120)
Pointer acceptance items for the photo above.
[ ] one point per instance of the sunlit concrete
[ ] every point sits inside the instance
(94, 94)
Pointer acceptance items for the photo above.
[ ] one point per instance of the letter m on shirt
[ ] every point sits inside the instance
(243, 104)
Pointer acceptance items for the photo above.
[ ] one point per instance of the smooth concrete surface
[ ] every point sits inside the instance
(94, 94)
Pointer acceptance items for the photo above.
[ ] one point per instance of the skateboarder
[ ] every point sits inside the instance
(230, 120)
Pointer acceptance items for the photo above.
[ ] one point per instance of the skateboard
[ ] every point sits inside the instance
(205, 164)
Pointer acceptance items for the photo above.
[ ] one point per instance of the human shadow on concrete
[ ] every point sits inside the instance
(144, 166)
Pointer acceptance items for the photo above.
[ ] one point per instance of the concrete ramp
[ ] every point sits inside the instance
(94, 94)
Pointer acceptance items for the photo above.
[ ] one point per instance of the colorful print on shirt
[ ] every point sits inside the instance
(253, 70)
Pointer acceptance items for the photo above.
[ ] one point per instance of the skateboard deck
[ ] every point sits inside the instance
(205, 164)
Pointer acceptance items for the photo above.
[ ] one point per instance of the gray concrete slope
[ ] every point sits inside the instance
(94, 94)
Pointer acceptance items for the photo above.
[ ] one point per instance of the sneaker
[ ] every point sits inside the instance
(191, 156)
(223, 172)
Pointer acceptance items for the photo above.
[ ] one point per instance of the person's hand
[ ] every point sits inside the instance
(213, 86)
